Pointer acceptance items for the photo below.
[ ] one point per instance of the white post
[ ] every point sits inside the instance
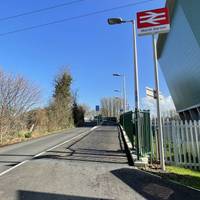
(124, 89)
(179, 141)
(196, 141)
(175, 144)
(136, 88)
(169, 140)
(162, 160)
(188, 144)
(193, 152)
(136, 85)
(183, 135)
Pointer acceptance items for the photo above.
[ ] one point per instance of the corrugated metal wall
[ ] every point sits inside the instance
(180, 62)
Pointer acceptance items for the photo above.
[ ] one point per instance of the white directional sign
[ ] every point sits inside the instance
(150, 92)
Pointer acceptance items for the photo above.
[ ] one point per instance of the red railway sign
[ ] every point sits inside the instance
(153, 21)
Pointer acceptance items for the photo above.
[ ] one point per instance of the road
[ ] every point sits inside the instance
(12, 155)
(82, 164)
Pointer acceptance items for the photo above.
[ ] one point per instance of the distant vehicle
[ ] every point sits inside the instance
(109, 121)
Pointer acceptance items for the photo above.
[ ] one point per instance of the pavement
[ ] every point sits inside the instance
(81, 164)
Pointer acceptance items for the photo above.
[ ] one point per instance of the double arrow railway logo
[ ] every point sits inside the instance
(153, 21)
(153, 18)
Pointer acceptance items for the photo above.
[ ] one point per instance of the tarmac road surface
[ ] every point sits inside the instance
(82, 164)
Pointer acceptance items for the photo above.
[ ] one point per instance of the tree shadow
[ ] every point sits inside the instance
(23, 155)
(73, 152)
(189, 180)
(10, 162)
(85, 158)
(30, 195)
(89, 124)
(154, 188)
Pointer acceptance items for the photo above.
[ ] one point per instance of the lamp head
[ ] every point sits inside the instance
(113, 21)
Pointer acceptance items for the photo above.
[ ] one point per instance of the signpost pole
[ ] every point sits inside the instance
(136, 92)
(124, 89)
(160, 133)
(97, 108)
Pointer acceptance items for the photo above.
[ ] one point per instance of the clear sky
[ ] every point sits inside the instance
(91, 49)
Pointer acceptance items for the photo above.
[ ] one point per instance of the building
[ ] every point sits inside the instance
(179, 57)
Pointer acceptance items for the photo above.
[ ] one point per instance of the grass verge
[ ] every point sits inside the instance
(184, 176)
(25, 136)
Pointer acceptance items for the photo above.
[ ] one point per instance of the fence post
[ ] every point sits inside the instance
(197, 135)
(174, 136)
(178, 142)
(169, 139)
(197, 143)
(184, 147)
(192, 144)
(188, 144)
(152, 141)
(157, 142)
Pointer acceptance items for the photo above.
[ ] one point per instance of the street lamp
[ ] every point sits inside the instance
(124, 89)
(117, 91)
(114, 21)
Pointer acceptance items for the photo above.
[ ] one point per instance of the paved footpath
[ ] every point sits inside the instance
(91, 167)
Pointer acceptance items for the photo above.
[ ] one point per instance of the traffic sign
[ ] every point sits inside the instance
(153, 21)
(150, 92)
(97, 108)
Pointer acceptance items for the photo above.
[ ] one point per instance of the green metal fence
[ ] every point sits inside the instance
(129, 122)
(145, 132)
(126, 120)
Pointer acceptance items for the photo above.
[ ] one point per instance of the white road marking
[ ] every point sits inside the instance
(39, 154)
(8, 170)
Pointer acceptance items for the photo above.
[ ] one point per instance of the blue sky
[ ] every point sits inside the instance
(91, 49)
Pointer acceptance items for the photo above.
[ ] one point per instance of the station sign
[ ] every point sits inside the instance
(153, 21)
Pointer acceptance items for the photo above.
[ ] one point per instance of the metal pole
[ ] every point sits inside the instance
(160, 133)
(137, 104)
(136, 91)
(124, 89)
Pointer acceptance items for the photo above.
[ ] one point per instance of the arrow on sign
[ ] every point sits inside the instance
(153, 18)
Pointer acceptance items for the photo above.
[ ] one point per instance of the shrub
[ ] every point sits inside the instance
(28, 135)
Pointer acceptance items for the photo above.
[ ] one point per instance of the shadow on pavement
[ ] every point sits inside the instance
(14, 155)
(74, 152)
(154, 188)
(86, 156)
(30, 195)
(11, 162)
(89, 124)
(193, 181)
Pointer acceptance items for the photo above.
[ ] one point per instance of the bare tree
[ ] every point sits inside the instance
(111, 106)
(17, 96)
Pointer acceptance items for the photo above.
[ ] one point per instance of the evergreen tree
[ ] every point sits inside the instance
(78, 113)
(62, 101)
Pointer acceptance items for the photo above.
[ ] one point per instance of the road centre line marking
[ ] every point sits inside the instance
(39, 154)
(64, 142)
(10, 169)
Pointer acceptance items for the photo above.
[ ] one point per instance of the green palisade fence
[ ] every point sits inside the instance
(127, 120)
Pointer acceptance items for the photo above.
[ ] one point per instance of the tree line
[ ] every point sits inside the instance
(111, 106)
(19, 115)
